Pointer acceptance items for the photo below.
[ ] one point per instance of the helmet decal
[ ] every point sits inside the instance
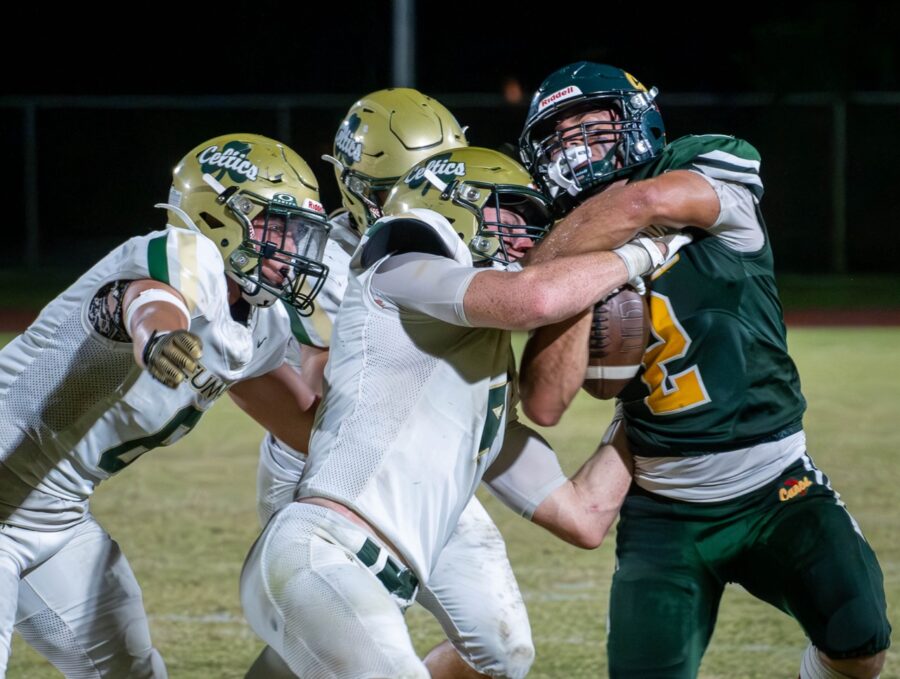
(314, 205)
(558, 96)
(285, 199)
(439, 166)
(634, 81)
(478, 191)
(232, 160)
(347, 149)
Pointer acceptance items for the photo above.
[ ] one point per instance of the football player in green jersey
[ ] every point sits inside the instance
(723, 484)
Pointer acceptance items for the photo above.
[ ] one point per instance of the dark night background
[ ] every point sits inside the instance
(116, 108)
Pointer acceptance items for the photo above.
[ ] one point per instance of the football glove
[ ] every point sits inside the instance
(170, 357)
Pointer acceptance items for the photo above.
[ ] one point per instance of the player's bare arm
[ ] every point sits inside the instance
(553, 367)
(281, 402)
(312, 362)
(582, 510)
(555, 358)
(609, 219)
(160, 314)
(542, 294)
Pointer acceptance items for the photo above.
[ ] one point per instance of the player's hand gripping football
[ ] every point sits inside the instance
(172, 356)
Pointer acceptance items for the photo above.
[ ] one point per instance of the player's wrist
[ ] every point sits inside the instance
(640, 256)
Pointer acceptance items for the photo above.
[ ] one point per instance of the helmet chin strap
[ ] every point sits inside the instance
(561, 172)
(252, 292)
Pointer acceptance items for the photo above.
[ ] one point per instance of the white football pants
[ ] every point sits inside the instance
(472, 591)
(79, 604)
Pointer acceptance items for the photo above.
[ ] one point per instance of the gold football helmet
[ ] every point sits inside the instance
(257, 200)
(473, 188)
(382, 136)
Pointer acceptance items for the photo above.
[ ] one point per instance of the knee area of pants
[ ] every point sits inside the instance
(518, 661)
(513, 661)
(152, 666)
(856, 631)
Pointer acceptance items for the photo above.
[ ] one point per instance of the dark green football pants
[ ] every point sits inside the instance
(791, 543)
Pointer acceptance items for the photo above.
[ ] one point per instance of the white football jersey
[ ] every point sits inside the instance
(413, 412)
(75, 407)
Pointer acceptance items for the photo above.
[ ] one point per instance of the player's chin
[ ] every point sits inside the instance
(274, 277)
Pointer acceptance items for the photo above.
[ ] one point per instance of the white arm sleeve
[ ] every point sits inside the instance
(427, 284)
(737, 224)
(525, 472)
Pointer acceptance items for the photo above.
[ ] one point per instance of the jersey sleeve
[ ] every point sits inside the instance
(272, 340)
(731, 166)
(182, 259)
(738, 224)
(427, 284)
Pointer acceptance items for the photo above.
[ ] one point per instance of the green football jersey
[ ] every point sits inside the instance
(716, 374)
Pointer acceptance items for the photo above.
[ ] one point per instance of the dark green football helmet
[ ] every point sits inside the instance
(612, 125)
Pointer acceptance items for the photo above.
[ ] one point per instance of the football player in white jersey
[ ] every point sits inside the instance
(128, 358)
(480, 608)
(417, 400)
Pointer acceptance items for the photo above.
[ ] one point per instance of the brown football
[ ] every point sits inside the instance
(619, 332)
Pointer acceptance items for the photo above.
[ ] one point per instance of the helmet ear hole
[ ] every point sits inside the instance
(211, 221)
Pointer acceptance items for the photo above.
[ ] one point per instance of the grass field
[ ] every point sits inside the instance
(185, 517)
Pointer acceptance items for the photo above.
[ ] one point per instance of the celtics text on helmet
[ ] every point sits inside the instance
(257, 200)
(474, 188)
(382, 136)
(612, 125)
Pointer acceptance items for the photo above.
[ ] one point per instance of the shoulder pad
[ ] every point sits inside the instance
(717, 156)
(415, 231)
(190, 263)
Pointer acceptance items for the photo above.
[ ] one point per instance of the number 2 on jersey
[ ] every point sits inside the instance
(670, 393)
